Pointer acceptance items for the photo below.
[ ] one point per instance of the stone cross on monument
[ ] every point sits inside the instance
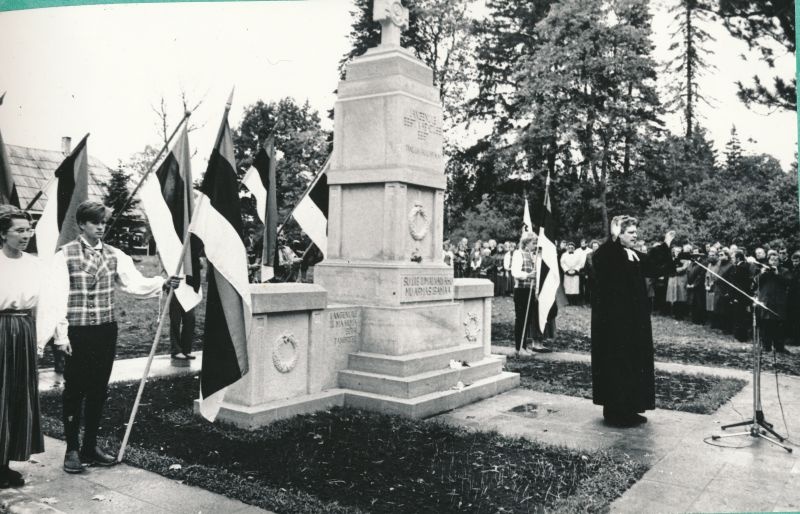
(393, 18)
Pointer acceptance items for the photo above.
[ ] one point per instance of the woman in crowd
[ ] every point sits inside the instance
(676, 285)
(510, 248)
(500, 283)
(571, 264)
(475, 261)
(21, 279)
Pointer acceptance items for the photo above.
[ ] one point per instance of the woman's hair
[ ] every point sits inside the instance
(91, 211)
(9, 213)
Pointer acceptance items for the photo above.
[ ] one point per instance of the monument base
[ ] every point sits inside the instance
(420, 407)
(251, 417)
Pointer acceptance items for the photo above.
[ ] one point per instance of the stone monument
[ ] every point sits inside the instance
(385, 326)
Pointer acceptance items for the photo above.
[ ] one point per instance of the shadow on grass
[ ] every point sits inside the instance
(346, 460)
(701, 394)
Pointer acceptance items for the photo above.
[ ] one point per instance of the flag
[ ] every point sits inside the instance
(311, 212)
(8, 191)
(217, 222)
(260, 180)
(527, 224)
(70, 188)
(547, 265)
(167, 198)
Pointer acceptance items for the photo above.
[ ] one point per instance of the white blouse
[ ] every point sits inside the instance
(22, 281)
(25, 283)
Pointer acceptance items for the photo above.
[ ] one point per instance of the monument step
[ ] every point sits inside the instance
(414, 363)
(436, 402)
(421, 383)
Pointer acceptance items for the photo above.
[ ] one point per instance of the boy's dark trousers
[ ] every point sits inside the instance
(86, 375)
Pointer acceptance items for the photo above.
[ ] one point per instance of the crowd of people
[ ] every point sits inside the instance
(709, 284)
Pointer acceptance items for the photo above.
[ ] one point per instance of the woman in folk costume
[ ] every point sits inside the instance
(23, 281)
(571, 263)
(623, 377)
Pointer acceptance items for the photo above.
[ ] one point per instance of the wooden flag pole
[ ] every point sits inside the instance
(150, 357)
(118, 212)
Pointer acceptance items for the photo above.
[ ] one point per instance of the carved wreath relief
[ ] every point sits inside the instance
(418, 222)
(471, 327)
(284, 356)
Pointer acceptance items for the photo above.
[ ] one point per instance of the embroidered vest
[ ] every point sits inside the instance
(92, 278)
(527, 267)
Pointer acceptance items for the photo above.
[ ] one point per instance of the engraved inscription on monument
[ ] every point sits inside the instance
(424, 134)
(344, 326)
(419, 288)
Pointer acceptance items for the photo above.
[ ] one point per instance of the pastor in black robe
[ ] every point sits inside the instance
(623, 378)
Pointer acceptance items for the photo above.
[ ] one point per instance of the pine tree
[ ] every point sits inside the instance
(591, 88)
(690, 58)
(733, 153)
(118, 189)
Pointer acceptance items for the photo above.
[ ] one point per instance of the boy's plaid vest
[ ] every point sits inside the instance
(527, 267)
(92, 278)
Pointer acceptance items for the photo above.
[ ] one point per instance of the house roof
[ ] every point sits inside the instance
(32, 169)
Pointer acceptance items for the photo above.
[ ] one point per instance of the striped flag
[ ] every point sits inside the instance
(167, 199)
(8, 191)
(260, 180)
(547, 266)
(311, 212)
(70, 188)
(217, 222)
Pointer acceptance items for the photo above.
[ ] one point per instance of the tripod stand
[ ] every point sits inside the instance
(758, 425)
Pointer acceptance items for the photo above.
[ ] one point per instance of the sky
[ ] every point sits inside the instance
(103, 69)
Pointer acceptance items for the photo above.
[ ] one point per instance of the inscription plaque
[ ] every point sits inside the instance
(420, 288)
(344, 326)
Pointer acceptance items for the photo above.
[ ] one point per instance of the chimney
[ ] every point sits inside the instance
(66, 145)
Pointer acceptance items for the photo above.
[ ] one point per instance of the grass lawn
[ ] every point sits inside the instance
(674, 341)
(138, 320)
(701, 394)
(347, 460)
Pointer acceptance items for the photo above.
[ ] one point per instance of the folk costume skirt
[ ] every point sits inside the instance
(20, 426)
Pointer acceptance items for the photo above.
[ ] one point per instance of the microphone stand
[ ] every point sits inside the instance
(758, 425)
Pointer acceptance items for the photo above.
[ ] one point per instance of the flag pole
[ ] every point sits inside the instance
(49, 182)
(152, 354)
(118, 212)
(305, 193)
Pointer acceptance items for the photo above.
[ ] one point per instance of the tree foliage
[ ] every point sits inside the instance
(590, 91)
(298, 136)
(763, 25)
(118, 190)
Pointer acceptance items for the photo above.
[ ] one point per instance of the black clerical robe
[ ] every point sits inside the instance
(623, 377)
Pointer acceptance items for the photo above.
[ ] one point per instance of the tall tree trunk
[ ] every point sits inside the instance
(689, 70)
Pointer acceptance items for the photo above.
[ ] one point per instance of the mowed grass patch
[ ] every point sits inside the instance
(673, 340)
(701, 394)
(347, 460)
(137, 320)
